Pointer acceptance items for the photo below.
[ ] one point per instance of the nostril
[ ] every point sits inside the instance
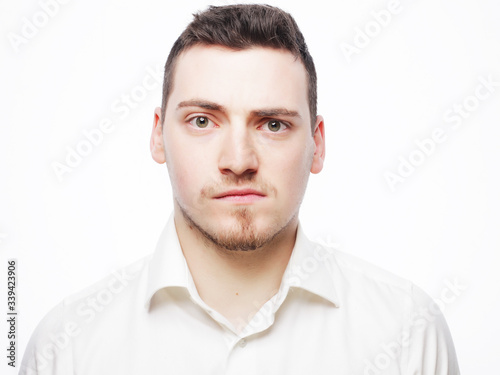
(238, 160)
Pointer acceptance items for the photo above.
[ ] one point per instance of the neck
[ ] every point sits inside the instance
(235, 283)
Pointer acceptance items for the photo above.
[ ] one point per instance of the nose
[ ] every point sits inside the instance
(238, 155)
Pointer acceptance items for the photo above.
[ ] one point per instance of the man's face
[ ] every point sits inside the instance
(237, 142)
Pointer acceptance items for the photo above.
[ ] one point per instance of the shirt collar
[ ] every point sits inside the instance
(167, 266)
(308, 268)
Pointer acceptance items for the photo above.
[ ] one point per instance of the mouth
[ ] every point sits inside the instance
(240, 196)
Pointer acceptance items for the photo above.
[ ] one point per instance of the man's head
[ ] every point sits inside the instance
(235, 129)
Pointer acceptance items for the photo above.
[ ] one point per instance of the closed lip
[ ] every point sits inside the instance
(239, 192)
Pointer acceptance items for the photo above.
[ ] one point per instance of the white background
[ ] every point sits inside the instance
(441, 223)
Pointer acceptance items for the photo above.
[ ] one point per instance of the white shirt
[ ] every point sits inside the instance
(333, 314)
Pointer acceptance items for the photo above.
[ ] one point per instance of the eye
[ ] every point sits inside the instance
(200, 122)
(275, 125)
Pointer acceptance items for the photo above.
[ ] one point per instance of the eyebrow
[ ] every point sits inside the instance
(211, 106)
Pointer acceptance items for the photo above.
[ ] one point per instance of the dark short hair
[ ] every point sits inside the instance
(240, 27)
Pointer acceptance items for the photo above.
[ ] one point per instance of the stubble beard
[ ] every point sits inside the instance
(243, 236)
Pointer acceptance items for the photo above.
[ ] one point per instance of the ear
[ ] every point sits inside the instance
(156, 143)
(319, 145)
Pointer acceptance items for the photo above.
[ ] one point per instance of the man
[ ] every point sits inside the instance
(234, 286)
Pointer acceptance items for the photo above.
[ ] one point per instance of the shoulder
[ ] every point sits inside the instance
(364, 285)
(118, 281)
(356, 270)
(419, 333)
(48, 350)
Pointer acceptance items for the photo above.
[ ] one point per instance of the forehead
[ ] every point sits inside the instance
(241, 79)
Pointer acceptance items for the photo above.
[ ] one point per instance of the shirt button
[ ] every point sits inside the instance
(243, 343)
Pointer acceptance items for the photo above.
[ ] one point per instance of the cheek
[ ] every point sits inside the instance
(183, 176)
(179, 168)
(187, 168)
(294, 170)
